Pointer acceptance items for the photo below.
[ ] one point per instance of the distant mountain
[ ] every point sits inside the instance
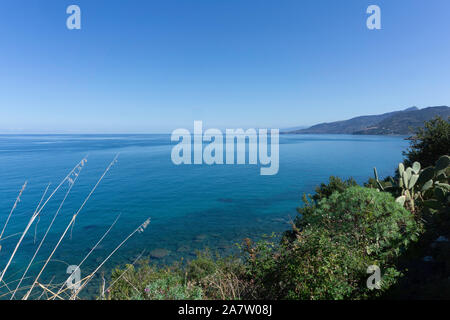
(397, 122)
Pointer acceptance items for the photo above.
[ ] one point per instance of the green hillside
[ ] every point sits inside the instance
(397, 123)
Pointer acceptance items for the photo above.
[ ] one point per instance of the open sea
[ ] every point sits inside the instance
(191, 207)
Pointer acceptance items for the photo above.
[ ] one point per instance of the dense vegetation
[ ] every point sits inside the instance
(400, 224)
(429, 143)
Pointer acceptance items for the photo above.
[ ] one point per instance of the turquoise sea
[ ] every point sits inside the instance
(192, 207)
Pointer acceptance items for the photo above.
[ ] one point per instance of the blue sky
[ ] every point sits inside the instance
(153, 66)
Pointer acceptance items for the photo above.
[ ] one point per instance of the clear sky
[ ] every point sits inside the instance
(154, 66)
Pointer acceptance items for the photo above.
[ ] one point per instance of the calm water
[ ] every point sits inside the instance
(192, 207)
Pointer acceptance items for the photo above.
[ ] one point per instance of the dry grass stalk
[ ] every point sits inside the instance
(71, 184)
(12, 210)
(33, 218)
(68, 226)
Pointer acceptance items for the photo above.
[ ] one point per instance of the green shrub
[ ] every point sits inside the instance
(367, 217)
(130, 282)
(261, 268)
(337, 239)
(171, 286)
(334, 184)
(152, 283)
(429, 143)
(320, 265)
(219, 278)
(201, 267)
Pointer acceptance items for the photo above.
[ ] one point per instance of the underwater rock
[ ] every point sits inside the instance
(159, 253)
(89, 227)
(200, 237)
(183, 249)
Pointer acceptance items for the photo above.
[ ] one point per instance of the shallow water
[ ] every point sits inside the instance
(191, 206)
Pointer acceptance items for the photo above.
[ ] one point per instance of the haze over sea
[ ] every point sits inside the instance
(191, 206)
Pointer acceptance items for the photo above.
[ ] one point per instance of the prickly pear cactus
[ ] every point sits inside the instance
(416, 187)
